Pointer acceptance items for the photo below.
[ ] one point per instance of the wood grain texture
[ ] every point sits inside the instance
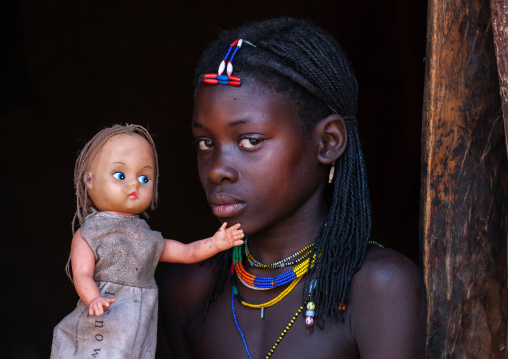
(464, 186)
(500, 29)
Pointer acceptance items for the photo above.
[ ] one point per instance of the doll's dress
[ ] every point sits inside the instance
(126, 254)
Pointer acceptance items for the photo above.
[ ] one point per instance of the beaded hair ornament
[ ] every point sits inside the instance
(228, 79)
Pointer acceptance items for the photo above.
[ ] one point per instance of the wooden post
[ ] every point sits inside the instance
(500, 27)
(464, 199)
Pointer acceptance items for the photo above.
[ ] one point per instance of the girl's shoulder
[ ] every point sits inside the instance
(384, 266)
(387, 305)
(386, 272)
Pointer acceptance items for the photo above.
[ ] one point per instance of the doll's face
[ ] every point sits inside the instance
(121, 176)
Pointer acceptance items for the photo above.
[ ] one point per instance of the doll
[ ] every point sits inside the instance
(114, 253)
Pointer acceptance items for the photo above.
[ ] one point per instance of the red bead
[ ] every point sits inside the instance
(234, 43)
(233, 78)
(234, 83)
(211, 81)
(210, 76)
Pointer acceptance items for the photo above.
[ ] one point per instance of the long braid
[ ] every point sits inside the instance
(306, 64)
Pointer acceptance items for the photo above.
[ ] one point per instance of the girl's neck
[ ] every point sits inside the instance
(288, 236)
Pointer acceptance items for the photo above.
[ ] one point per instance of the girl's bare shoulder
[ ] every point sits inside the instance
(388, 296)
(384, 268)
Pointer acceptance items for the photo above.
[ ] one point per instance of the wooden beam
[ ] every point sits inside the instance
(464, 191)
(500, 29)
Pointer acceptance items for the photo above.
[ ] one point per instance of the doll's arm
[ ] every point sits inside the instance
(83, 265)
(177, 252)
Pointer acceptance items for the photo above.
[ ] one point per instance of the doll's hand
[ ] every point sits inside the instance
(226, 238)
(98, 305)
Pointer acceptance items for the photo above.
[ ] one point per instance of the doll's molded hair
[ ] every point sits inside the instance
(87, 156)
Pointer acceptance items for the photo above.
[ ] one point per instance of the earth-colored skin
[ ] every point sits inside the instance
(258, 168)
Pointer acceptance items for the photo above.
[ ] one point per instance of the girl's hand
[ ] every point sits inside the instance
(98, 305)
(226, 238)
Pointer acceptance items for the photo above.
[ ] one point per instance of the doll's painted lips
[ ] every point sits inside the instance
(133, 195)
(225, 205)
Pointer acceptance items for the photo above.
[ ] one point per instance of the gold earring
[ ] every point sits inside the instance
(332, 172)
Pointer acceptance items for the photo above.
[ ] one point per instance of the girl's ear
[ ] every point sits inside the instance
(332, 137)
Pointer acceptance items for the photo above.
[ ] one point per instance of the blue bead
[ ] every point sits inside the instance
(223, 82)
(309, 313)
(222, 78)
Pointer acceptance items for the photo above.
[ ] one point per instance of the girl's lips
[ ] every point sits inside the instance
(225, 205)
(133, 195)
(227, 210)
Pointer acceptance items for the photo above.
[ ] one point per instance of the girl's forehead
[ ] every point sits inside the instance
(241, 104)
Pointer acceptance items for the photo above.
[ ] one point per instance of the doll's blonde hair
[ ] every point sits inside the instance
(87, 156)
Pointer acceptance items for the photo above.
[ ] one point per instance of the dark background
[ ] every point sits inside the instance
(70, 68)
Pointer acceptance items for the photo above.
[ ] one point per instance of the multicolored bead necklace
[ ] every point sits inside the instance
(266, 282)
(288, 326)
(280, 264)
(310, 306)
(262, 306)
(281, 336)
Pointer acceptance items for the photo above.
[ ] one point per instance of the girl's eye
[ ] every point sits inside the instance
(205, 145)
(119, 175)
(143, 179)
(249, 142)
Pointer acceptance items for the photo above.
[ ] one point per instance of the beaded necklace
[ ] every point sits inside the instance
(281, 336)
(286, 329)
(280, 264)
(266, 304)
(266, 282)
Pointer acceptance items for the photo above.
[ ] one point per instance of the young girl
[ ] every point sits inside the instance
(114, 253)
(279, 151)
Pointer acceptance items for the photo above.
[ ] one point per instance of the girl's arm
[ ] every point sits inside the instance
(177, 252)
(83, 265)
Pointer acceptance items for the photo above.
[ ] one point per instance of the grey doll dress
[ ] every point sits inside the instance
(126, 254)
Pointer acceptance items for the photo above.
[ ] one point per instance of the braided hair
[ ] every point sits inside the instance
(84, 162)
(304, 63)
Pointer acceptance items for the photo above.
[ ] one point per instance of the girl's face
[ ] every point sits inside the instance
(121, 176)
(254, 161)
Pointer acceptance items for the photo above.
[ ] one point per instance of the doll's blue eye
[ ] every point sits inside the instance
(143, 179)
(119, 175)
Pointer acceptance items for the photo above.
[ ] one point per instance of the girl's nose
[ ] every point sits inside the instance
(221, 170)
